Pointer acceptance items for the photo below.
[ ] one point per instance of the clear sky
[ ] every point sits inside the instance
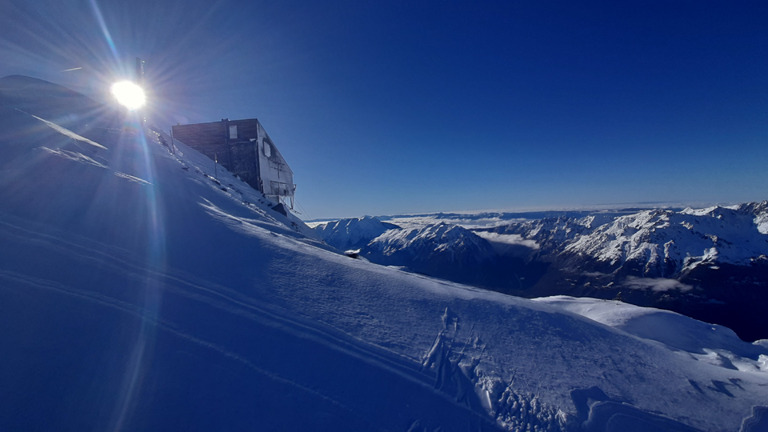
(418, 106)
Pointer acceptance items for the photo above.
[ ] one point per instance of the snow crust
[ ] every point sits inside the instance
(172, 297)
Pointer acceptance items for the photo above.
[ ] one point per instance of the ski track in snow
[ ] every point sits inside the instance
(129, 308)
(218, 297)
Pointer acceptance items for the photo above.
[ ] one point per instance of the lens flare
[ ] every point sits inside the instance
(129, 94)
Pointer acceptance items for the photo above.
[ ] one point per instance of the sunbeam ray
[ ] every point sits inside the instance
(104, 29)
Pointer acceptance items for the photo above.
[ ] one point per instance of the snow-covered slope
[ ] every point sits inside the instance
(664, 243)
(689, 335)
(138, 292)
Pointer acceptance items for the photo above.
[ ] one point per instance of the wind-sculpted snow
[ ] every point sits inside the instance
(185, 302)
(689, 335)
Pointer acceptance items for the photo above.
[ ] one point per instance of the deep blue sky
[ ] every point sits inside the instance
(413, 106)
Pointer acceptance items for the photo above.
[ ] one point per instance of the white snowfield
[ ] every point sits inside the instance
(183, 302)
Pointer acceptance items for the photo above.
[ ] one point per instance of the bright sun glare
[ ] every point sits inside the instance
(129, 94)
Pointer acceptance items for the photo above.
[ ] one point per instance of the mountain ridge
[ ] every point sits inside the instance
(675, 259)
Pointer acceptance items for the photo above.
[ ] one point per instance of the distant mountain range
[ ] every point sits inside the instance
(711, 263)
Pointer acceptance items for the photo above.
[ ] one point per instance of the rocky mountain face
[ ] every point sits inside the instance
(711, 264)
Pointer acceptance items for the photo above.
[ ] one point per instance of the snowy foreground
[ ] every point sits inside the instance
(140, 293)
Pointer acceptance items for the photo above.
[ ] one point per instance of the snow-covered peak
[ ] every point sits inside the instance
(666, 242)
(425, 242)
(352, 233)
(760, 212)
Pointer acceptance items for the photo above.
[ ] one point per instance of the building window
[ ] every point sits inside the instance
(267, 149)
(232, 131)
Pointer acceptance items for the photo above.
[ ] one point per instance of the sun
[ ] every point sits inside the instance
(129, 94)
